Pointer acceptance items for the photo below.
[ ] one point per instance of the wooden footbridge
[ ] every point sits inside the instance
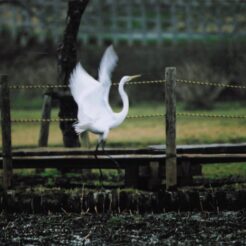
(144, 168)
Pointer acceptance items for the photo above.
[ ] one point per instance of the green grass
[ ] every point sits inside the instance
(145, 131)
(214, 171)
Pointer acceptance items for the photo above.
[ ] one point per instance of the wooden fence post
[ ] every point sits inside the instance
(6, 133)
(44, 129)
(170, 100)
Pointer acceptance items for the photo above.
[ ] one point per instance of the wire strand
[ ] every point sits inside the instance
(179, 114)
(210, 84)
(51, 86)
(145, 82)
(204, 115)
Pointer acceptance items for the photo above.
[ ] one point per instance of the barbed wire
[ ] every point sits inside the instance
(74, 119)
(206, 115)
(145, 116)
(49, 86)
(43, 120)
(53, 86)
(192, 82)
(179, 114)
(145, 82)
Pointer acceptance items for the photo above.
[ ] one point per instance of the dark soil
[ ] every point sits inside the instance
(224, 228)
(71, 214)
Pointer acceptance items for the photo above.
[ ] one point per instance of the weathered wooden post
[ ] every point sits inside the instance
(170, 100)
(44, 129)
(45, 124)
(6, 133)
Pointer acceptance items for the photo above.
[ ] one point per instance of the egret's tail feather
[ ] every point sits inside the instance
(79, 128)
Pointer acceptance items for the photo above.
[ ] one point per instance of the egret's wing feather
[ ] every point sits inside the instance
(81, 83)
(107, 65)
(90, 95)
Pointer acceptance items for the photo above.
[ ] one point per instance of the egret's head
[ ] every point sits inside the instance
(129, 78)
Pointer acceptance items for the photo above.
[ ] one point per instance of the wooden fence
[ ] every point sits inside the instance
(171, 162)
(130, 21)
(155, 163)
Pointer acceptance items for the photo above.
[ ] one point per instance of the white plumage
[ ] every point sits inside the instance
(92, 98)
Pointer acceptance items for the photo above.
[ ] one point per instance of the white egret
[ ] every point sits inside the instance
(92, 97)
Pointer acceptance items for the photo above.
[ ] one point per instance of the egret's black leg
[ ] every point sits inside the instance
(100, 170)
(97, 147)
(112, 159)
(103, 143)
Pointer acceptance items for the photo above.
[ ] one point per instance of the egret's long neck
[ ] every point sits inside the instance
(122, 115)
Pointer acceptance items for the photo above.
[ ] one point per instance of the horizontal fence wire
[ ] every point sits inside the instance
(146, 82)
(179, 114)
(191, 82)
(51, 86)
(204, 115)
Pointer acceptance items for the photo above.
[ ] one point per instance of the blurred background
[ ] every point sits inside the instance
(204, 39)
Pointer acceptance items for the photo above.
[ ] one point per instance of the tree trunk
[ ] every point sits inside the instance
(67, 59)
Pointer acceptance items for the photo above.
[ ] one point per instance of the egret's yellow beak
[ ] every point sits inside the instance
(134, 77)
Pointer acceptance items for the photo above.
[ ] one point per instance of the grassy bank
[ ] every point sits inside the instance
(146, 131)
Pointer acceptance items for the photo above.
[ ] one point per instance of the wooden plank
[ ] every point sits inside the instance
(205, 148)
(213, 158)
(170, 102)
(125, 161)
(84, 161)
(6, 133)
(79, 151)
(153, 150)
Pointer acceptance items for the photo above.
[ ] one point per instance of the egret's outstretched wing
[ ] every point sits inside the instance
(107, 65)
(81, 83)
(89, 96)
(92, 96)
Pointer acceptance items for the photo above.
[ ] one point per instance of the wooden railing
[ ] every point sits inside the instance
(130, 160)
